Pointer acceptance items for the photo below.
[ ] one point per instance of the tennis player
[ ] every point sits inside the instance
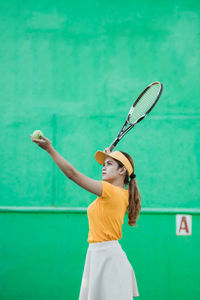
(107, 274)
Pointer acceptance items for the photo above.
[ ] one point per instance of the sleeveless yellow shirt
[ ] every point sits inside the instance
(106, 214)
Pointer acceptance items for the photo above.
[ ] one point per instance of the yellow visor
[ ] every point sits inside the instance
(100, 158)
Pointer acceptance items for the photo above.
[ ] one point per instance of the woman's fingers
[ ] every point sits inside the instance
(38, 140)
(42, 142)
(107, 150)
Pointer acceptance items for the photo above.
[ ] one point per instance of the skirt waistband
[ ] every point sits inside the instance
(102, 245)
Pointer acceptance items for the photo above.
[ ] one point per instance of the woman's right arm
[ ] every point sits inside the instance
(89, 184)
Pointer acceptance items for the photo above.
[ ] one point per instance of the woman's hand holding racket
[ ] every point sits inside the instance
(107, 150)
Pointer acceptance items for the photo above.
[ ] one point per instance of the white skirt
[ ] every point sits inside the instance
(107, 275)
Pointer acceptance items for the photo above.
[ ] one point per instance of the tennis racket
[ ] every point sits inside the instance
(140, 109)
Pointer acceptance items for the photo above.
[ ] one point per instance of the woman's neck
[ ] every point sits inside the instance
(117, 182)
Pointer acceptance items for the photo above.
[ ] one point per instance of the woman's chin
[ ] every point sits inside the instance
(104, 178)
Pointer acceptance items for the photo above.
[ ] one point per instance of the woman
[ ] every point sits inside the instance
(107, 274)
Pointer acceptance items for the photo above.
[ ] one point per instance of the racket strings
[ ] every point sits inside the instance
(145, 103)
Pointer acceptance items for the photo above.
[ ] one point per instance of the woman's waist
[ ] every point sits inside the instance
(103, 245)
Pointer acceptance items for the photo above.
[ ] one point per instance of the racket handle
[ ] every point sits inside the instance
(112, 146)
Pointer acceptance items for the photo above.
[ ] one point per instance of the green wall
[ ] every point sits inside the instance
(72, 69)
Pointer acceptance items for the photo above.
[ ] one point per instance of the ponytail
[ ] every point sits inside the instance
(134, 202)
(134, 207)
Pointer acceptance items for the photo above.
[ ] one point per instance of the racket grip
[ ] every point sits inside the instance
(112, 146)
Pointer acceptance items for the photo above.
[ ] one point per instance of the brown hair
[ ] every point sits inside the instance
(134, 194)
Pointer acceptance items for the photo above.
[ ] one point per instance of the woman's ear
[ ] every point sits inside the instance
(122, 171)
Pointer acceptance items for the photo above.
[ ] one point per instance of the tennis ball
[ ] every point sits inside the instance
(37, 134)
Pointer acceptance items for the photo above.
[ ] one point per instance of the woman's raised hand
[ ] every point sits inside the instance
(107, 150)
(43, 143)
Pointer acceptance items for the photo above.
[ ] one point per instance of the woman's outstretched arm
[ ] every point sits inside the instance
(89, 184)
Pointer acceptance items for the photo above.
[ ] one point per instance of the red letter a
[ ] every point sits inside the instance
(184, 227)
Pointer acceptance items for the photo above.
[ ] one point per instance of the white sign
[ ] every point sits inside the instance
(183, 225)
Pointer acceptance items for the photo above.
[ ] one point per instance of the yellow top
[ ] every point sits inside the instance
(106, 214)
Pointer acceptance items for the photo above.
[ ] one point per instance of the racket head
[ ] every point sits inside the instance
(145, 102)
